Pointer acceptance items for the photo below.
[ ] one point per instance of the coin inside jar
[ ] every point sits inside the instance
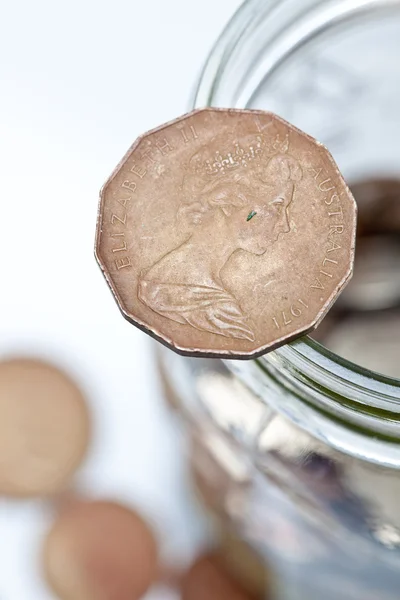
(371, 340)
(44, 427)
(376, 280)
(373, 343)
(378, 201)
(99, 550)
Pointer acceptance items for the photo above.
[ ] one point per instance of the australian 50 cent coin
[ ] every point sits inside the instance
(226, 233)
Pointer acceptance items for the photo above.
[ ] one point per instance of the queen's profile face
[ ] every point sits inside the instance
(264, 217)
(246, 209)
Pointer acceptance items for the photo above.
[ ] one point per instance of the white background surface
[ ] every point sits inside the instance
(79, 81)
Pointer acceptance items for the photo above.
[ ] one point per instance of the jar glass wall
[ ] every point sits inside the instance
(297, 453)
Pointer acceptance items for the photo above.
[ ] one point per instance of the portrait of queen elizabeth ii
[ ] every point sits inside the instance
(235, 195)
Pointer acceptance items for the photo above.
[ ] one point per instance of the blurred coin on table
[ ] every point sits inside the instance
(99, 550)
(44, 427)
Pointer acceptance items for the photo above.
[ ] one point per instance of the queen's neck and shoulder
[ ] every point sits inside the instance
(183, 265)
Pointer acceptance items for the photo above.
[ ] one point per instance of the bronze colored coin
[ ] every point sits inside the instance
(44, 428)
(226, 233)
(99, 551)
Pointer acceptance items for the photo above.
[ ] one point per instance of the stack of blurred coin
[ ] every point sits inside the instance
(94, 550)
(101, 550)
(364, 324)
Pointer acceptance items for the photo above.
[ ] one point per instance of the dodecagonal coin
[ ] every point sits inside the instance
(226, 233)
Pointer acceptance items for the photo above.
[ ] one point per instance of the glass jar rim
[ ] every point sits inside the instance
(372, 398)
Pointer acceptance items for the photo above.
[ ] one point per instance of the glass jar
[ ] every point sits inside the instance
(297, 453)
